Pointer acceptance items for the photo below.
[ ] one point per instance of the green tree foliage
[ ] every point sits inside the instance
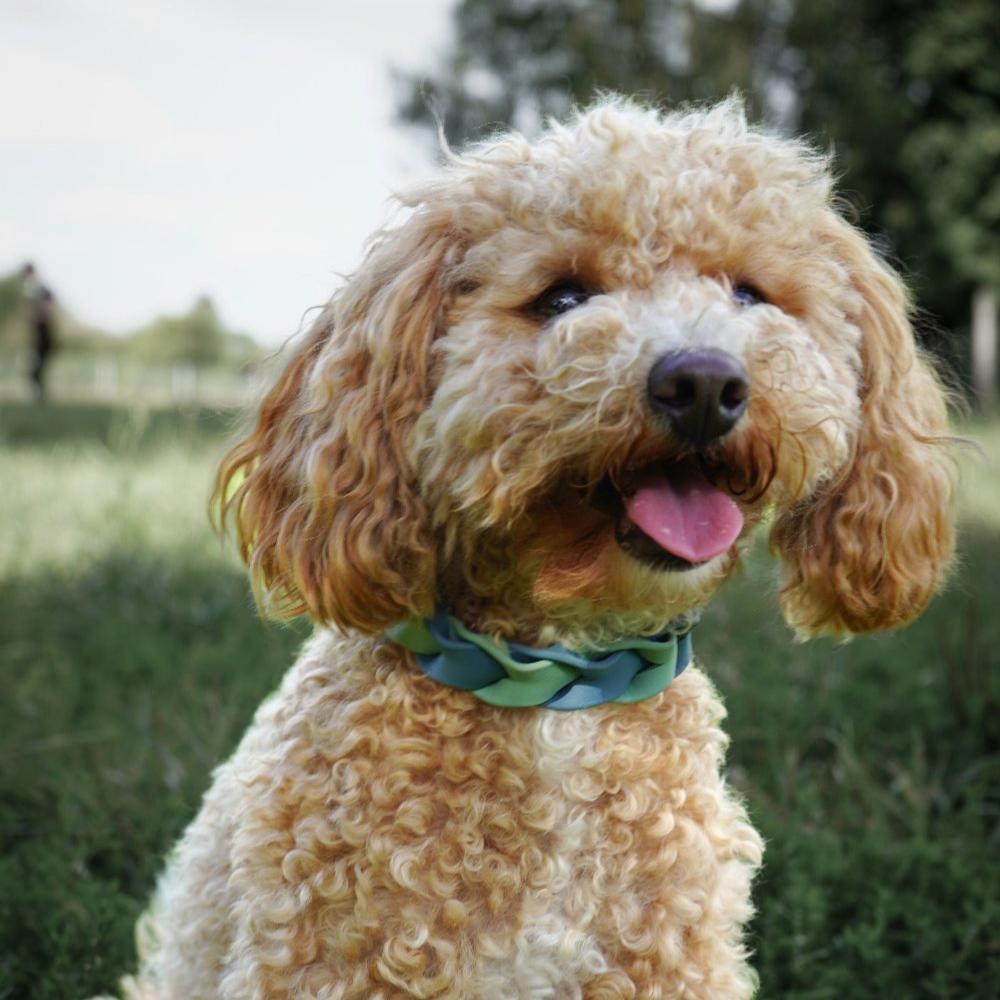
(11, 310)
(196, 337)
(517, 61)
(906, 92)
(15, 337)
(953, 152)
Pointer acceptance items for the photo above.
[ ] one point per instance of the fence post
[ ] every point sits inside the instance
(183, 382)
(984, 345)
(106, 378)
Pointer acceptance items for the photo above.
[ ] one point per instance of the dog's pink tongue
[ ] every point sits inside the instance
(684, 514)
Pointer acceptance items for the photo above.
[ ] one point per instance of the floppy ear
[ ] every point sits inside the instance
(326, 507)
(870, 547)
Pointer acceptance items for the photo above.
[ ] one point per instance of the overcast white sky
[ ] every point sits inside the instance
(154, 150)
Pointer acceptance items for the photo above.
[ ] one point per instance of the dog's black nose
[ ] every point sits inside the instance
(701, 392)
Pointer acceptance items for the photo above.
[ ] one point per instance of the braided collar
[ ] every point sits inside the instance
(515, 676)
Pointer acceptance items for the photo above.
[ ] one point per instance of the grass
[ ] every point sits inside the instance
(131, 661)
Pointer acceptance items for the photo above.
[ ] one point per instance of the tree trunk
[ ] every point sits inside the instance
(984, 345)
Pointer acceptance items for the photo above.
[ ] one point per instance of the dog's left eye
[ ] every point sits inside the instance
(560, 299)
(745, 294)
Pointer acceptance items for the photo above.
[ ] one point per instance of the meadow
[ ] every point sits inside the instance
(131, 659)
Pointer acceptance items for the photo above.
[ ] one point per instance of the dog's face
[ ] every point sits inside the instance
(566, 388)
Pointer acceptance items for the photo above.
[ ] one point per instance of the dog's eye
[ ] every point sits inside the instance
(560, 299)
(746, 295)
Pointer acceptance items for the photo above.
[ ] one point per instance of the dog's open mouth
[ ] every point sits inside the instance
(671, 516)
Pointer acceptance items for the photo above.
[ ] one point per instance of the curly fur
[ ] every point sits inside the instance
(378, 835)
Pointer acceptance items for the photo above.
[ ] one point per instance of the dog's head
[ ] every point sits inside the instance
(562, 392)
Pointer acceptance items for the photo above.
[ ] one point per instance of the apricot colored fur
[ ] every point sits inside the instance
(379, 835)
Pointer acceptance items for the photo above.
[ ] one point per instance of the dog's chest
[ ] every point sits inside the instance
(446, 841)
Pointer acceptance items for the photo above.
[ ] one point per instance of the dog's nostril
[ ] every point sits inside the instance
(678, 392)
(701, 393)
(734, 394)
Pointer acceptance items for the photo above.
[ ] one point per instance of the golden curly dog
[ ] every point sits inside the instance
(554, 400)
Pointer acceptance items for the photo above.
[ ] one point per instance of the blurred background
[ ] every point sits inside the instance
(188, 180)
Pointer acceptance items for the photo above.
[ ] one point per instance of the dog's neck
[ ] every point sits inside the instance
(582, 626)
(503, 590)
(512, 675)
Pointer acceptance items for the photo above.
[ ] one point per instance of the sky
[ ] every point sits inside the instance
(152, 151)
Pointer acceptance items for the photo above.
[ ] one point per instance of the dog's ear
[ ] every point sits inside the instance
(325, 505)
(868, 549)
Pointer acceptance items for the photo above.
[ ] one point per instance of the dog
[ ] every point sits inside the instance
(514, 456)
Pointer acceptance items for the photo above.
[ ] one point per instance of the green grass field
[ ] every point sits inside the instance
(132, 659)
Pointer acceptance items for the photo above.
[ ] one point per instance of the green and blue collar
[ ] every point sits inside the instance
(510, 675)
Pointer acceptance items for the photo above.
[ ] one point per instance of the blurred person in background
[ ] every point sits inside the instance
(41, 322)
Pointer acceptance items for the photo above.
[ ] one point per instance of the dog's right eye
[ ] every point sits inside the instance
(559, 299)
(745, 294)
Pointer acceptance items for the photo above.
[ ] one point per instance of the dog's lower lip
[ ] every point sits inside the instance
(637, 544)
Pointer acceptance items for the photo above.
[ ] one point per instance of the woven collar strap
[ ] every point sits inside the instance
(516, 676)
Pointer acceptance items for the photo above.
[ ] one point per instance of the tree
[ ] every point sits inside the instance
(12, 323)
(196, 337)
(519, 61)
(72, 335)
(953, 153)
(906, 92)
